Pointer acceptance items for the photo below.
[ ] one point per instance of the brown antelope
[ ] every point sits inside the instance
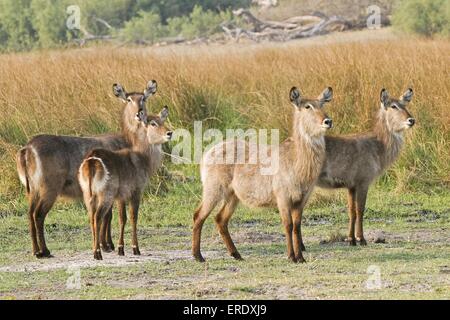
(300, 161)
(48, 164)
(353, 162)
(106, 176)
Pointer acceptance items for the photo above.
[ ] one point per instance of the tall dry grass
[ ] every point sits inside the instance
(69, 92)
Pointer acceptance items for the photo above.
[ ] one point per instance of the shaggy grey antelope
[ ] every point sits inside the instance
(300, 160)
(106, 176)
(354, 161)
(48, 164)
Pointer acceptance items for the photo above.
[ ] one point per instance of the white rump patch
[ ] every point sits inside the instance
(36, 176)
(98, 184)
(21, 170)
(22, 177)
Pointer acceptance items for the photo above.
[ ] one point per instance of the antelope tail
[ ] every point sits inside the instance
(22, 168)
(91, 168)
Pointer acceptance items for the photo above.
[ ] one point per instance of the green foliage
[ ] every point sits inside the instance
(175, 8)
(204, 23)
(425, 17)
(145, 27)
(49, 21)
(175, 25)
(15, 23)
(115, 12)
(27, 24)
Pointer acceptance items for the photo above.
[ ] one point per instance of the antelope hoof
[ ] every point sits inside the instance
(106, 249)
(293, 259)
(236, 255)
(43, 254)
(111, 246)
(351, 242)
(121, 251)
(362, 242)
(199, 258)
(98, 255)
(301, 260)
(136, 252)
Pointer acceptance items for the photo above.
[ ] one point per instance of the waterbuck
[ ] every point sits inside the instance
(354, 161)
(106, 176)
(300, 161)
(48, 164)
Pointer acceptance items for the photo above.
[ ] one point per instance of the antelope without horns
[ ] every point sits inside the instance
(48, 164)
(106, 176)
(354, 162)
(300, 161)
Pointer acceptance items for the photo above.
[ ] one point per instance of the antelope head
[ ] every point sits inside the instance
(310, 118)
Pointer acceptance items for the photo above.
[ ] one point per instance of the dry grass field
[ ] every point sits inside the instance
(69, 92)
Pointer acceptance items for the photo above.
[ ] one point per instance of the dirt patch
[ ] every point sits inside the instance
(85, 260)
(253, 236)
(286, 292)
(381, 236)
(424, 215)
(424, 236)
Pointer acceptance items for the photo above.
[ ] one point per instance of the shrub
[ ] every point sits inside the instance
(425, 17)
(49, 22)
(175, 25)
(145, 27)
(115, 12)
(16, 27)
(200, 23)
(176, 8)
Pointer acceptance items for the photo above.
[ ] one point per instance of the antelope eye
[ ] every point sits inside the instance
(308, 106)
(153, 123)
(129, 100)
(394, 106)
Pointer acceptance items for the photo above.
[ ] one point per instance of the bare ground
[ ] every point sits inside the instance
(85, 260)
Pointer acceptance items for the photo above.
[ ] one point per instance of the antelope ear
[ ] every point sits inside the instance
(164, 114)
(295, 96)
(384, 98)
(407, 96)
(152, 87)
(326, 96)
(120, 92)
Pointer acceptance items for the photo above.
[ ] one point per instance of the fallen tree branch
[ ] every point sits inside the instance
(293, 28)
(104, 22)
(92, 37)
(259, 25)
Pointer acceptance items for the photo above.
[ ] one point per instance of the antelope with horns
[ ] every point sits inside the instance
(48, 164)
(300, 162)
(106, 176)
(353, 162)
